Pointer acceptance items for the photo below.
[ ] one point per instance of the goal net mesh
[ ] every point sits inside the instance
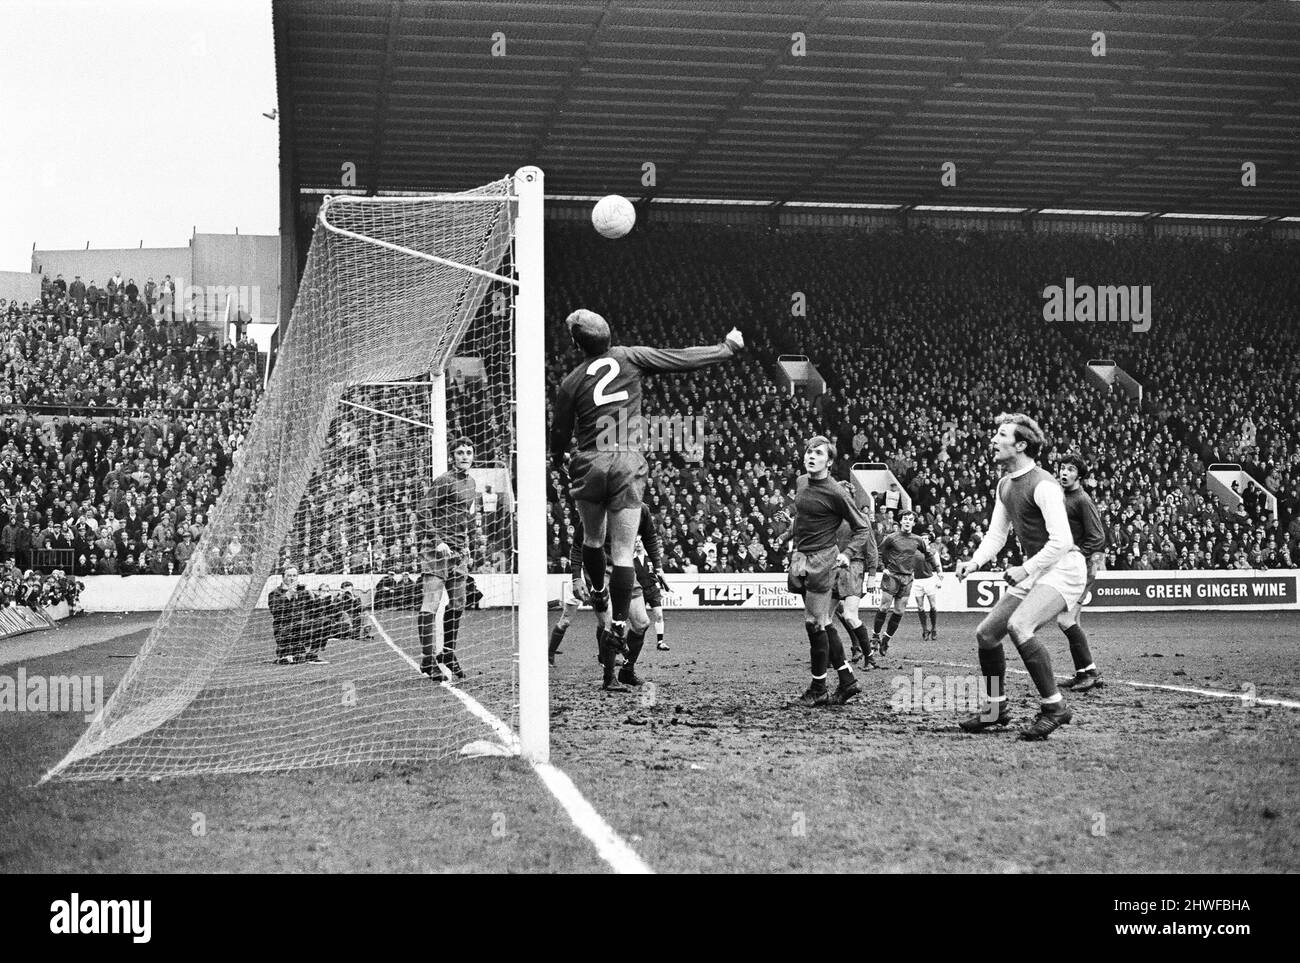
(388, 359)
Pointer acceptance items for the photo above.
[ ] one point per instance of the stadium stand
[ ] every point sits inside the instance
(115, 435)
(923, 339)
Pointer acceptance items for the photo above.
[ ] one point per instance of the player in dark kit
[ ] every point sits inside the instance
(928, 576)
(639, 620)
(445, 523)
(600, 402)
(1050, 580)
(819, 508)
(898, 554)
(1090, 536)
(848, 584)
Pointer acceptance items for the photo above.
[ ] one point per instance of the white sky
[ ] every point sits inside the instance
(130, 120)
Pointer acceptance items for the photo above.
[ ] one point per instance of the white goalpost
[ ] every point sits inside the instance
(295, 637)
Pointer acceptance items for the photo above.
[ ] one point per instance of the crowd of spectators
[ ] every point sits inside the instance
(119, 420)
(34, 590)
(118, 423)
(923, 339)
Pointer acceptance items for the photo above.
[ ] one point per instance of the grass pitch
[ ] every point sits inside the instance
(707, 771)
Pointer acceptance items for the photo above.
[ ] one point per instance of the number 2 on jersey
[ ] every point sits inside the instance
(599, 397)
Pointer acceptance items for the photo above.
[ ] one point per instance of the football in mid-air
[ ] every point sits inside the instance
(613, 216)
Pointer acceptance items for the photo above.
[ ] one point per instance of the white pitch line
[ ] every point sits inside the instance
(1215, 693)
(609, 845)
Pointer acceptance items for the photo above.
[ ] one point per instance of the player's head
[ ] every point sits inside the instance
(290, 576)
(818, 455)
(1016, 434)
(1071, 470)
(589, 331)
(907, 521)
(462, 454)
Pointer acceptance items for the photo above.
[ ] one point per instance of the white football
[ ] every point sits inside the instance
(613, 215)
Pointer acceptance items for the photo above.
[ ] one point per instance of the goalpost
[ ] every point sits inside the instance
(418, 321)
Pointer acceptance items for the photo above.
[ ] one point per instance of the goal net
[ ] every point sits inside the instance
(295, 637)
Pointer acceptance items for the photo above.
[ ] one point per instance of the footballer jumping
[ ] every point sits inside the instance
(607, 475)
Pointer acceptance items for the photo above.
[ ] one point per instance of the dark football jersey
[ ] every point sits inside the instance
(820, 507)
(899, 552)
(449, 511)
(600, 400)
(924, 563)
(1085, 521)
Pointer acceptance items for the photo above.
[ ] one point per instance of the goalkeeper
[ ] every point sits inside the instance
(445, 527)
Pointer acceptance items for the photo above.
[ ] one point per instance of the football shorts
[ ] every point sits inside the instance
(615, 479)
(848, 580)
(1069, 576)
(812, 572)
(443, 566)
(895, 585)
(927, 587)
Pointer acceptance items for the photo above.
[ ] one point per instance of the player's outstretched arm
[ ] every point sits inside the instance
(686, 359)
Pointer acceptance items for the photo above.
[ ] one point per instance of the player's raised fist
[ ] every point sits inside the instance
(735, 339)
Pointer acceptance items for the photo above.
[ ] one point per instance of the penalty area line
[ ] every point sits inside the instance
(609, 845)
(1214, 693)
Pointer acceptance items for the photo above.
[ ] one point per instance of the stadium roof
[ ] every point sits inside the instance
(710, 92)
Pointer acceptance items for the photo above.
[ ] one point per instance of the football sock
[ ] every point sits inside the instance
(880, 620)
(557, 636)
(818, 649)
(993, 666)
(920, 614)
(934, 619)
(864, 640)
(1039, 664)
(424, 627)
(834, 647)
(819, 682)
(659, 627)
(846, 673)
(1078, 647)
(894, 619)
(635, 639)
(593, 563)
(450, 629)
(620, 591)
